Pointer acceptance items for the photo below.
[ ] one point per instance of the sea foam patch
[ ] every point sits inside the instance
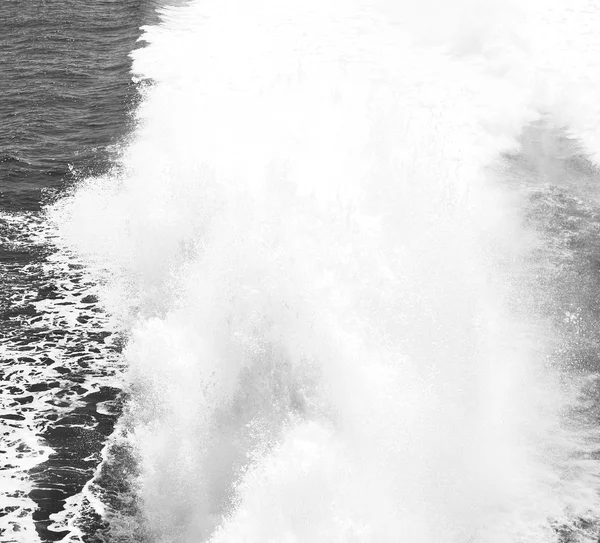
(59, 360)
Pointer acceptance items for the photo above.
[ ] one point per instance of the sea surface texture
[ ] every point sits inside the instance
(313, 271)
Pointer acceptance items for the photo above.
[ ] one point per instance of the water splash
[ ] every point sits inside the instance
(325, 278)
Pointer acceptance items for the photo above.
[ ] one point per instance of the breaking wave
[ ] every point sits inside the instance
(330, 288)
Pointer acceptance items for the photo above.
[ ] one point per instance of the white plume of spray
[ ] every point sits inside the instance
(315, 265)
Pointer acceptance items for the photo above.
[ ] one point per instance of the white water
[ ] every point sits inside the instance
(322, 273)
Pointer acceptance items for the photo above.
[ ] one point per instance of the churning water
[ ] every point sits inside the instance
(353, 247)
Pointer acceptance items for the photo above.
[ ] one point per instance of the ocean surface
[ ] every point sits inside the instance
(300, 272)
(67, 98)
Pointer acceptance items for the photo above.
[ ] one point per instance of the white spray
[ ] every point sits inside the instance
(319, 272)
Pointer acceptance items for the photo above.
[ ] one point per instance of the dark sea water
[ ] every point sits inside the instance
(66, 91)
(253, 295)
(66, 98)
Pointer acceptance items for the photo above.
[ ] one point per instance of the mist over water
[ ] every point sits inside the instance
(321, 258)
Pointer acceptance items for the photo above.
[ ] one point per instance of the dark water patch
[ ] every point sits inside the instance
(67, 91)
(570, 273)
(77, 440)
(559, 189)
(12, 417)
(115, 486)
